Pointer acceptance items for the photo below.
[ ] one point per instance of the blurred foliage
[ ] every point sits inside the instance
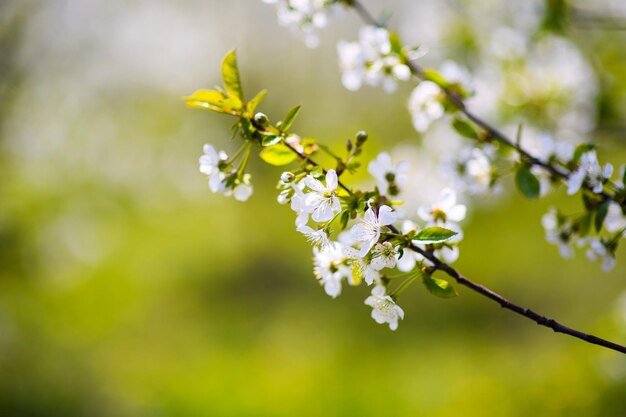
(126, 288)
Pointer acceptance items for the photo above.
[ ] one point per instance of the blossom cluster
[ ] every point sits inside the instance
(552, 68)
(538, 159)
(306, 16)
(223, 178)
(372, 247)
(372, 60)
(363, 236)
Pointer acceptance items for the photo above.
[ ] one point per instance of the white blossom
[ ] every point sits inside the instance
(615, 219)
(210, 165)
(598, 251)
(389, 177)
(318, 238)
(371, 60)
(445, 210)
(242, 191)
(409, 258)
(557, 233)
(472, 170)
(213, 164)
(425, 105)
(448, 254)
(453, 73)
(298, 204)
(384, 308)
(367, 230)
(322, 201)
(362, 268)
(590, 170)
(352, 64)
(384, 256)
(307, 16)
(542, 146)
(330, 269)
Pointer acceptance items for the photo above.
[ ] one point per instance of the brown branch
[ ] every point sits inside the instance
(504, 303)
(587, 19)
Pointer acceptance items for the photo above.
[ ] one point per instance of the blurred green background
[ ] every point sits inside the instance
(127, 288)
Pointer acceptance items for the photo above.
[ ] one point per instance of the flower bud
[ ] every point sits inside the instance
(361, 137)
(261, 119)
(287, 177)
(283, 197)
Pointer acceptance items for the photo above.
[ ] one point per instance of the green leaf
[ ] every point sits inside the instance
(345, 217)
(439, 287)
(581, 149)
(269, 140)
(208, 99)
(396, 43)
(278, 155)
(527, 183)
(432, 75)
(464, 129)
(252, 104)
(230, 74)
(434, 234)
(584, 224)
(291, 116)
(601, 215)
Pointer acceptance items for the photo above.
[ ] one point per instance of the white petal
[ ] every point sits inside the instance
(332, 287)
(323, 213)
(302, 219)
(425, 213)
(350, 253)
(314, 184)
(386, 216)
(242, 192)
(456, 213)
(378, 263)
(401, 72)
(449, 255)
(608, 263)
(313, 201)
(331, 180)
(407, 262)
(367, 246)
(607, 171)
(575, 181)
(370, 217)
(370, 275)
(352, 80)
(403, 167)
(361, 233)
(447, 199)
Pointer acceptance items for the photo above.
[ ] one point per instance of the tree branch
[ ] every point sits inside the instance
(490, 129)
(486, 292)
(504, 303)
(587, 19)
